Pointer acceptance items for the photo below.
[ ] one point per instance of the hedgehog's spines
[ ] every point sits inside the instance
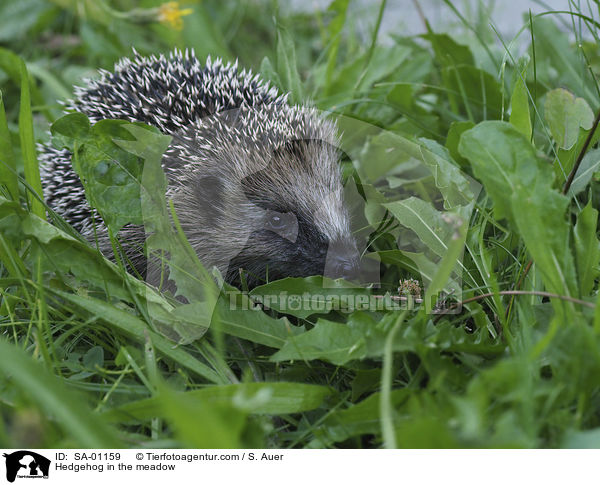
(228, 127)
(167, 86)
(179, 95)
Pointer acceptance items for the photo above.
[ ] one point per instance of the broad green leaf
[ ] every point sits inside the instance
(436, 231)
(457, 128)
(558, 62)
(448, 52)
(73, 125)
(565, 114)
(402, 95)
(456, 188)
(111, 175)
(191, 278)
(422, 218)
(587, 248)
(473, 92)
(540, 215)
(384, 155)
(520, 117)
(71, 256)
(498, 156)
(566, 159)
(419, 421)
(253, 398)
(509, 385)
(364, 336)
(389, 154)
(334, 342)
(521, 186)
(237, 315)
(302, 297)
(269, 73)
(365, 381)
(94, 357)
(120, 166)
(66, 254)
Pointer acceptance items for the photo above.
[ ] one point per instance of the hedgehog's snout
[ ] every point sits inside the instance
(343, 260)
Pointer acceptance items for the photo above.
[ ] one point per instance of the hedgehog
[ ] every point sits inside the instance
(255, 181)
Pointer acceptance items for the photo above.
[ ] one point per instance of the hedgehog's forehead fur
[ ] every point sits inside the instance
(269, 158)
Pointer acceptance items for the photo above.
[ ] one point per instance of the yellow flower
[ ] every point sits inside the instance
(170, 13)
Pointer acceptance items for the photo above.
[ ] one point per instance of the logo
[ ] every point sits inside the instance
(26, 464)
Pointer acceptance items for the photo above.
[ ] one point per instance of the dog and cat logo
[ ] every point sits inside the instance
(26, 464)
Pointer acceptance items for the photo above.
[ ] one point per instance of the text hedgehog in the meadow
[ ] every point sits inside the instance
(255, 181)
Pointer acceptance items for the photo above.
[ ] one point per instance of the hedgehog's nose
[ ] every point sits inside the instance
(343, 263)
(346, 268)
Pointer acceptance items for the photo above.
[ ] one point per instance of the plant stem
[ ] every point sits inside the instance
(588, 140)
(519, 292)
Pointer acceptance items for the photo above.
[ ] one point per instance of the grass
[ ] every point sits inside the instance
(472, 166)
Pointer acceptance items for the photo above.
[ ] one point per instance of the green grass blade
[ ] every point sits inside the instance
(32, 169)
(287, 65)
(8, 164)
(385, 404)
(58, 401)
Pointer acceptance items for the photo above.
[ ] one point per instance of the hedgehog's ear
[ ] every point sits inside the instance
(209, 192)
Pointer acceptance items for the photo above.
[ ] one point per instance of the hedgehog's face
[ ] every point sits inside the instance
(293, 243)
(256, 200)
(285, 219)
(299, 223)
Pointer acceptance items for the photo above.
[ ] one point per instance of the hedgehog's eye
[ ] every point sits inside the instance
(283, 223)
(278, 221)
